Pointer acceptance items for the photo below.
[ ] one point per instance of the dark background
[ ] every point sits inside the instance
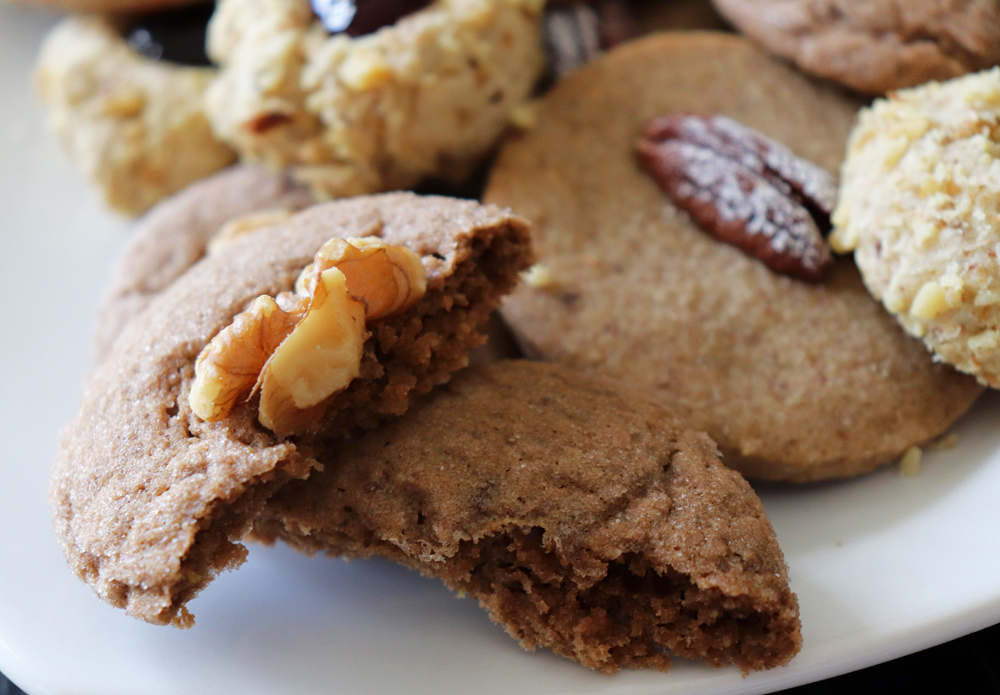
(969, 665)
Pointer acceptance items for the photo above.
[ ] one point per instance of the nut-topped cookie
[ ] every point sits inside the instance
(920, 193)
(425, 94)
(149, 499)
(794, 380)
(128, 105)
(180, 230)
(582, 515)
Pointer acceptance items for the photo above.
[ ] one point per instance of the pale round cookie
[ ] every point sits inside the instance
(919, 205)
(874, 46)
(150, 501)
(136, 127)
(795, 381)
(426, 96)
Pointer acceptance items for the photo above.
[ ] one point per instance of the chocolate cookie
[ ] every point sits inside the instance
(583, 516)
(149, 501)
(131, 119)
(795, 381)
(176, 233)
(874, 46)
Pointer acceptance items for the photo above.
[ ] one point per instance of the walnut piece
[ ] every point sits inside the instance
(231, 364)
(299, 350)
(320, 357)
(745, 189)
(239, 227)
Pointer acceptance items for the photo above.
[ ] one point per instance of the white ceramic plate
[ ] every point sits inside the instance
(883, 566)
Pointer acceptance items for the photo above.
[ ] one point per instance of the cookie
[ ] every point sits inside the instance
(425, 96)
(135, 126)
(500, 343)
(918, 205)
(583, 516)
(678, 15)
(874, 46)
(795, 381)
(176, 233)
(101, 6)
(148, 500)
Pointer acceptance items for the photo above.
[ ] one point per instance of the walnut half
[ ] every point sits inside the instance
(300, 349)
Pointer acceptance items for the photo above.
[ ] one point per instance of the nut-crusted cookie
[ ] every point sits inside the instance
(919, 196)
(148, 500)
(583, 516)
(135, 126)
(176, 233)
(425, 96)
(875, 46)
(794, 381)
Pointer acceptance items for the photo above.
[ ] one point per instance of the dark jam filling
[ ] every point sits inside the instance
(360, 17)
(173, 36)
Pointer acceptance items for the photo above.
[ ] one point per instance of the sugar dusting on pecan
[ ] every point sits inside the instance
(745, 189)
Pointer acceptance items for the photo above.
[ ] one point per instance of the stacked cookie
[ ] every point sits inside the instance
(277, 369)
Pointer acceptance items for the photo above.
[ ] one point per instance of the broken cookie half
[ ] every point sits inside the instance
(149, 500)
(582, 515)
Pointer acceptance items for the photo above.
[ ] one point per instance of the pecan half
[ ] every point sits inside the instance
(745, 189)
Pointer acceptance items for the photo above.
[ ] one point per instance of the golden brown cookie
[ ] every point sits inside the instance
(135, 126)
(583, 516)
(794, 381)
(176, 233)
(875, 46)
(149, 501)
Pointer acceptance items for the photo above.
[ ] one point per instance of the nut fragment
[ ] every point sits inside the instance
(745, 189)
(230, 365)
(320, 357)
(909, 465)
(301, 349)
(388, 279)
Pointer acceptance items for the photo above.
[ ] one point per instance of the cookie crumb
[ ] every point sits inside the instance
(909, 465)
(943, 443)
(538, 276)
(524, 116)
